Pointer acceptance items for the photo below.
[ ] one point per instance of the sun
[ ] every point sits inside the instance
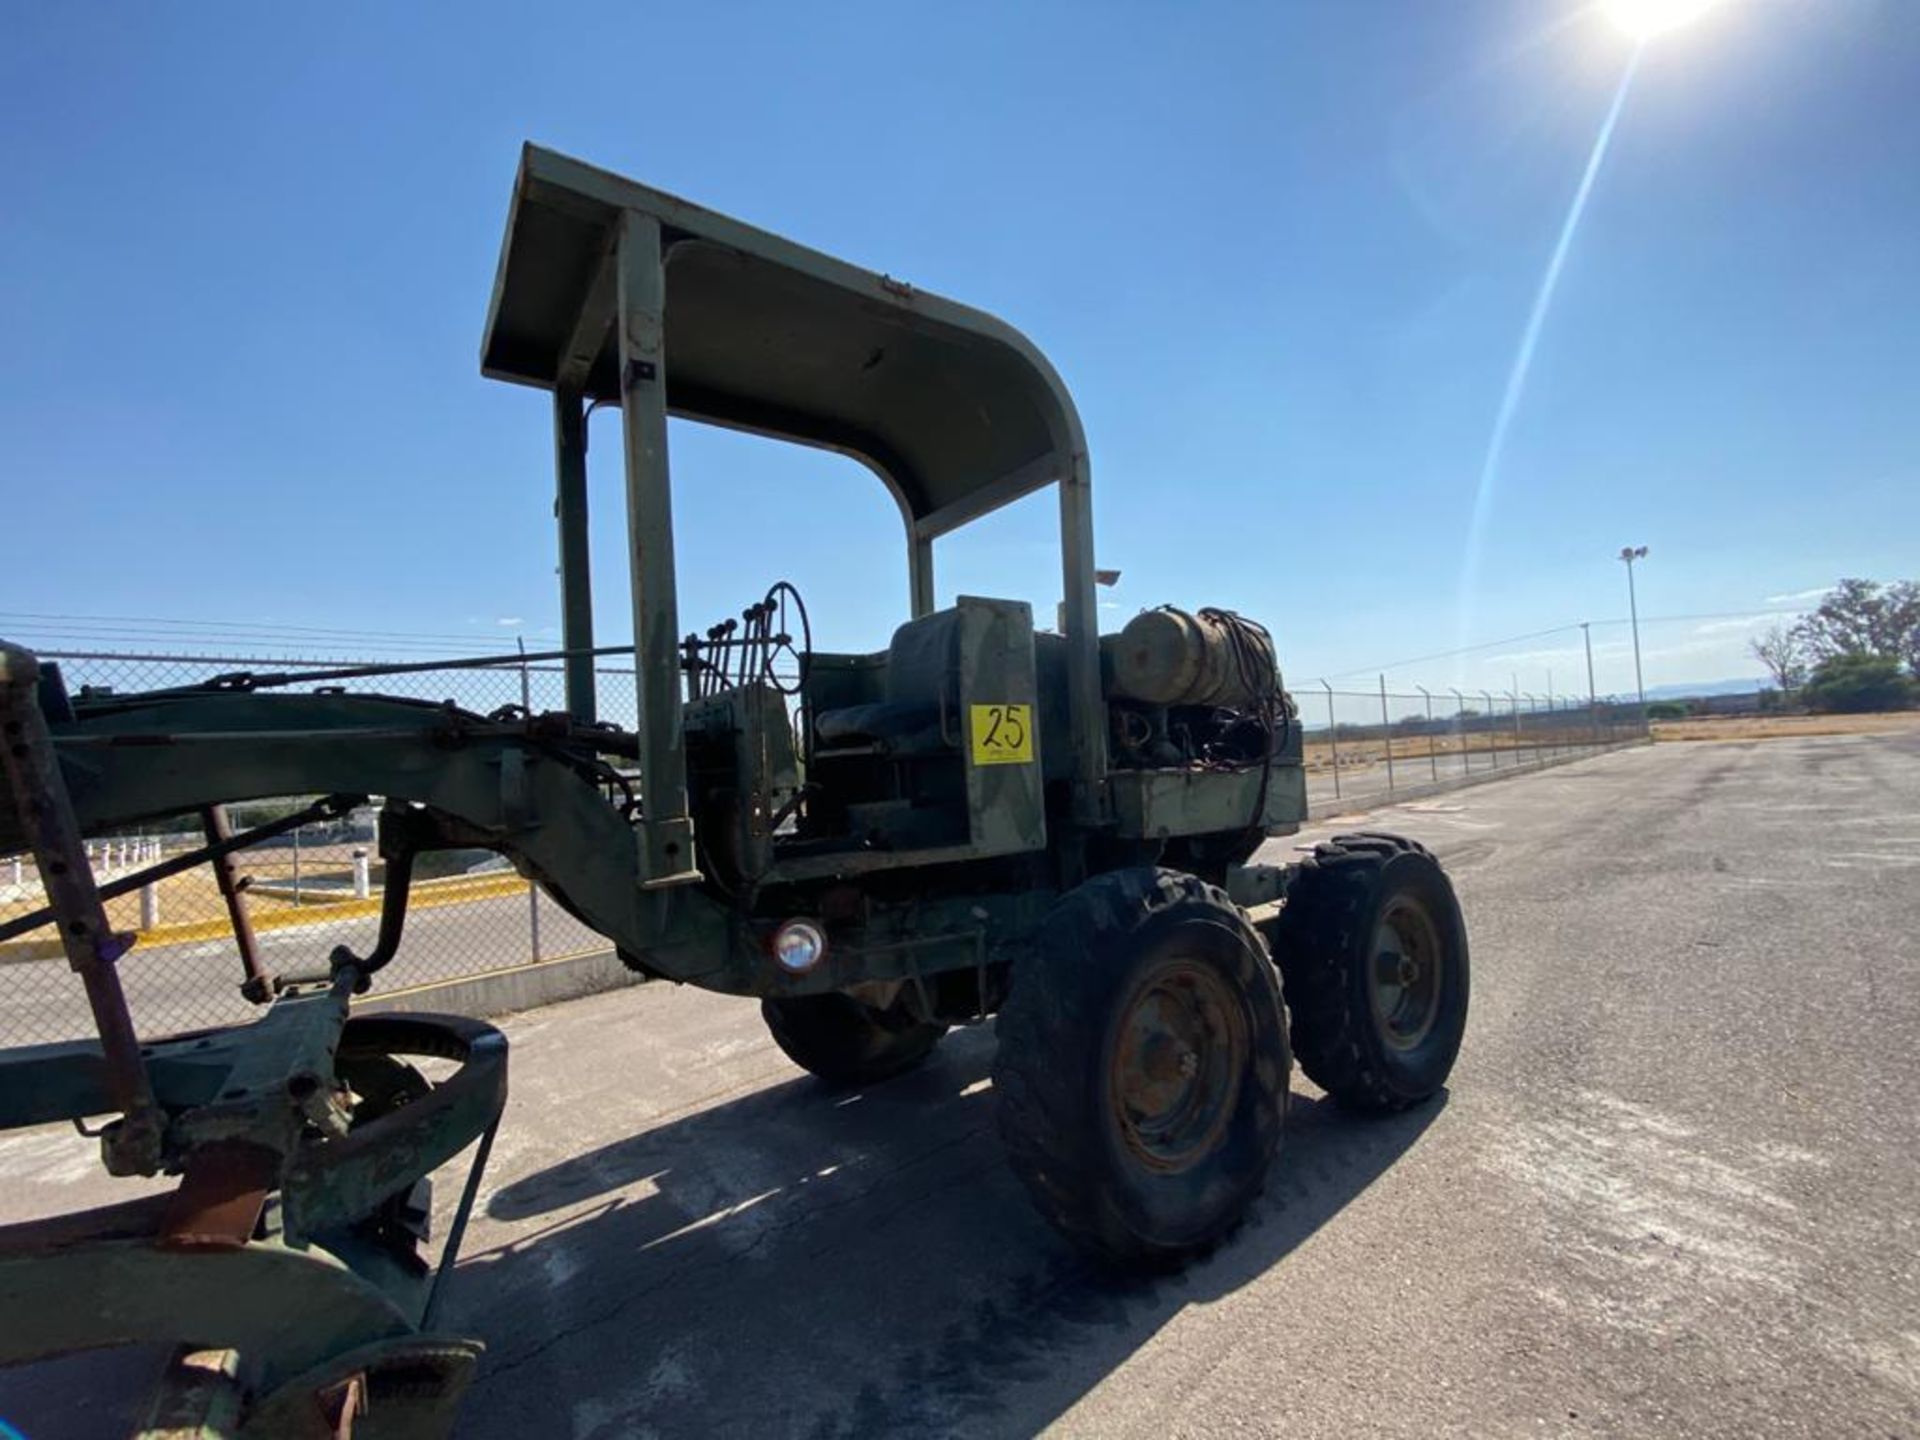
(1645, 18)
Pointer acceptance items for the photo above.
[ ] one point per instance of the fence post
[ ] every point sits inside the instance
(533, 889)
(149, 906)
(296, 863)
(1493, 747)
(1386, 730)
(1433, 757)
(1333, 738)
(1460, 731)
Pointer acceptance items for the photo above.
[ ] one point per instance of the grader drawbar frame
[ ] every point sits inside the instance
(285, 1268)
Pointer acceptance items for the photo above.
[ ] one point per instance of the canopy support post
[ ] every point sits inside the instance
(920, 571)
(1086, 712)
(666, 831)
(576, 576)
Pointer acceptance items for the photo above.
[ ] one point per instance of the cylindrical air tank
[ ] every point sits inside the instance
(1173, 657)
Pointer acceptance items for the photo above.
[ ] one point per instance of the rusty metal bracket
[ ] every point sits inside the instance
(255, 985)
(38, 792)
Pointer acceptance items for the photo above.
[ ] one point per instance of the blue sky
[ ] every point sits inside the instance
(1283, 254)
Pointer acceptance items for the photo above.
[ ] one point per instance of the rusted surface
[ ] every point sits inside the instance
(342, 1405)
(256, 985)
(38, 793)
(218, 1204)
(198, 1397)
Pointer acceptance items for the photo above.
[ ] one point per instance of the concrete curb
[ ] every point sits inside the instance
(503, 992)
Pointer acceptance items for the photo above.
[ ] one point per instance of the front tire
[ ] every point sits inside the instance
(846, 1043)
(1373, 950)
(1142, 1067)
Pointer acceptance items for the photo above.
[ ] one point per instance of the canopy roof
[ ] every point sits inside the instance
(958, 412)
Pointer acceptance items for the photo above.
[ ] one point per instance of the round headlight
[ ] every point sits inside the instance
(798, 946)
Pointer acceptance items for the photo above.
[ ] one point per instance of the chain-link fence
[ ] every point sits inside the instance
(319, 885)
(1369, 746)
(314, 887)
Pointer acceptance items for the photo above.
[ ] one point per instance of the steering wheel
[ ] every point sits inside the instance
(783, 606)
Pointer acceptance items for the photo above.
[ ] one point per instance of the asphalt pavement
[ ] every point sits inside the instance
(1672, 1189)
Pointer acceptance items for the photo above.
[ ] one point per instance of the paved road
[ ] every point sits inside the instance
(1673, 1189)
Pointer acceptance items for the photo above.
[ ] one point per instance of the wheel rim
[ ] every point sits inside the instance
(1405, 970)
(1178, 1056)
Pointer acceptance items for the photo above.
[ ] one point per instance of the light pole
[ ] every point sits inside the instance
(1593, 708)
(1629, 554)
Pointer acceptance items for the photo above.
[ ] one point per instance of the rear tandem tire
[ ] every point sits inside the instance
(844, 1042)
(1142, 1068)
(1373, 951)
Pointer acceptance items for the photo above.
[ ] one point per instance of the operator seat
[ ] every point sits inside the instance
(919, 715)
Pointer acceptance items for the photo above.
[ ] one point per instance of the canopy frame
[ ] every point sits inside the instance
(610, 291)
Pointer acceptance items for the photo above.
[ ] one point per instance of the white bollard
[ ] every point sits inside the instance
(149, 906)
(17, 881)
(362, 875)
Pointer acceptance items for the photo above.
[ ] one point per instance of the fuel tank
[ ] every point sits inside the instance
(1177, 657)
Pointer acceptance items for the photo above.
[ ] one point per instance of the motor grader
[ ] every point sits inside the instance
(986, 819)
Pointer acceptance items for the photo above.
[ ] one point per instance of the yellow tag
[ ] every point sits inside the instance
(1002, 734)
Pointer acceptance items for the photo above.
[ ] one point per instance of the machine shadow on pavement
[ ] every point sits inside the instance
(809, 1262)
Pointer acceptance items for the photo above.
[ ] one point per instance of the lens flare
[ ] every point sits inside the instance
(1523, 355)
(1644, 18)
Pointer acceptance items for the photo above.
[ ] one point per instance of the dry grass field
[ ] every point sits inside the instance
(1780, 727)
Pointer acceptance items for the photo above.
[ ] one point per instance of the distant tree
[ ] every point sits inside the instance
(1903, 614)
(1853, 684)
(1862, 617)
(1667, 710)
(1783, 653)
